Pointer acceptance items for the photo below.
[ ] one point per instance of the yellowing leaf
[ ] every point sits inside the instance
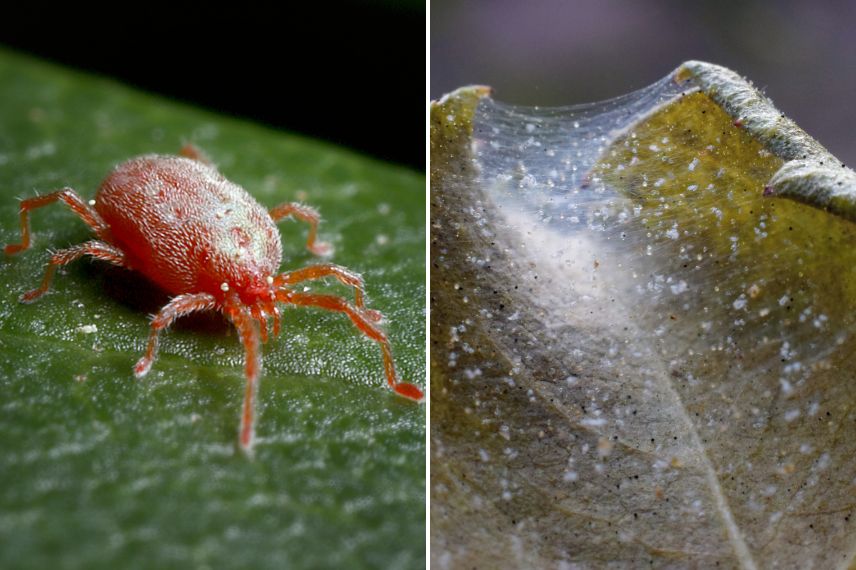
(642, 352)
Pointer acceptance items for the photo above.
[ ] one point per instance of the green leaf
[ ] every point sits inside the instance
(99, 470)
(642, 333)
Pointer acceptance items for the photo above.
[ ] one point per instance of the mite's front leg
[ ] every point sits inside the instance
(310, 216)
(366, 326)
(248, 331)
(342, 274)
(176, 308)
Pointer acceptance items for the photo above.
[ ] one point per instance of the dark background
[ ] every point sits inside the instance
(352, 73)
(560, 52)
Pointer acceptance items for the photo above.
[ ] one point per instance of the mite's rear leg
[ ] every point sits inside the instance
(249, 332)
(308, 215)
(86, 212)
(176, 308)
(368, 328)
(193, 152)
(343, 274)
(96, 249)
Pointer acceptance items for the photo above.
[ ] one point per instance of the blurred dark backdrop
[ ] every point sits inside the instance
(350, 72)
(559, 52)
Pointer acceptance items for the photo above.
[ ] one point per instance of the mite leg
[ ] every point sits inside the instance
(261, 318)
(344, 275)
(305, 214)
(177, 307)
(96, 249)
(249, 332)
(365, 325)
(190, 150)
(276, 319)
(86, 212)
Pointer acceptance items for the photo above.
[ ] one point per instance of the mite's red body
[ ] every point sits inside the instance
(187, 228)
(203, 239)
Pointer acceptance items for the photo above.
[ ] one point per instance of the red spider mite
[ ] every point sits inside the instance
(205, 240)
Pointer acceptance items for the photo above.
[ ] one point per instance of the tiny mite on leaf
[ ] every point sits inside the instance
(205, 240)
